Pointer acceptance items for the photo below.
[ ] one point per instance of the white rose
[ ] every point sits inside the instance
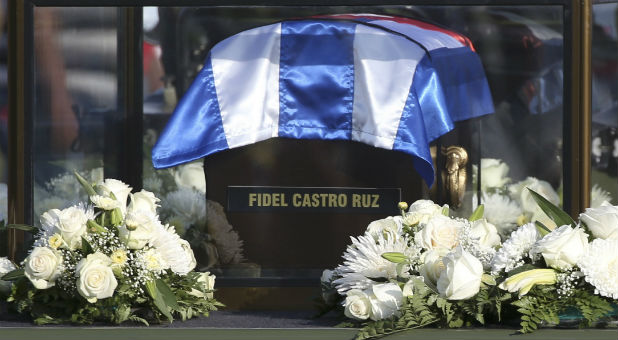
(602, 221)
(327, 276)
(5, 266)
(408, 287)
(209, 283)
(121, 191)
(189, 255)
(191, 175)
(422, 211)
(70, 223)
(520, 193)
(493, 173)
(433, 266)
(143, 201)
(95, 278)
(384, 226)
(485, 232)
(42, 267)
(357, 305)
(385, 299)
(439, 232)
(461, 278)
(563, 247)
(144, 225)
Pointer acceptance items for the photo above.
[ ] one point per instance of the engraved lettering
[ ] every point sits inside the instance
(374, 203)
(252, 199)
(342, 199)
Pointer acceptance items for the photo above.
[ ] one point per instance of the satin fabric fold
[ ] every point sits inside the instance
(326, 79)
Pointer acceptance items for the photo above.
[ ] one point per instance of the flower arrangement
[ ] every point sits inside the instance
(111, 260)
(202, 221)
(509, 205)
(425, 268)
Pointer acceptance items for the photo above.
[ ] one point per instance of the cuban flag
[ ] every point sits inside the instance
(329, 78)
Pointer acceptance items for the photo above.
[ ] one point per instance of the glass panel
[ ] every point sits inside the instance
(521, 50)
(522, 143)
(4, 102)
(604, 104)
(76, 93)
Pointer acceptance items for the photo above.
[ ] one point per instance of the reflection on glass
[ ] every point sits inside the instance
(3, 123)
(520, 145)
(76, 91)
(604, 104)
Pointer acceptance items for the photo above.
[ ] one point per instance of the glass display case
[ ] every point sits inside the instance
(94, 86)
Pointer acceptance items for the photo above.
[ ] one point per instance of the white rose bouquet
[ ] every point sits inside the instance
(110, 259)
(426, 268)
(203, 222)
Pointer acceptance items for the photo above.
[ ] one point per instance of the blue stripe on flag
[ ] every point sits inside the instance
(463, 81)
(316, 80)
(428, 87)
(195, 129)
(411, 137)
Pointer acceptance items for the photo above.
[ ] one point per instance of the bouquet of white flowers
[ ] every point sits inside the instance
(426, 268)
(110, 259)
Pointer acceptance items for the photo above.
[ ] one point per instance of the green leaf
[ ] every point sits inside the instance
(555, 213)
(23, 227)
(86, 247)
(477, 214)
(89, 189)
(445, 210)
(94, 227)
(488, 279)
(168, 295)
(521, 269)
(157, 299)
(13, 275)
(541, 228)
(395, 257)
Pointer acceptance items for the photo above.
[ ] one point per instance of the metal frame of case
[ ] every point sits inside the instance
(128, 121)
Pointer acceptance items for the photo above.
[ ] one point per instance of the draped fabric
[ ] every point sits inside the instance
(328, 78)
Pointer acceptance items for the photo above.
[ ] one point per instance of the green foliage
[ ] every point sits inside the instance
(477, 214)
(23, 227)
(426, 307)
(84, 183)
(555, 213)
(13, 275)
(183, 297)
(541, 228)
(395, 257)
(542, 305)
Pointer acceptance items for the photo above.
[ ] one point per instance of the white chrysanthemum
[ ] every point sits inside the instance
(170, 246)
(363, 261)
(153, 183)
(500, 211)
(153, 260)
(600, 267)
(104, 202)
(516, 248)
(228, 243)
(598, 196)
(188, 204)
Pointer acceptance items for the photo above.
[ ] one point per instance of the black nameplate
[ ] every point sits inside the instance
(309, 199)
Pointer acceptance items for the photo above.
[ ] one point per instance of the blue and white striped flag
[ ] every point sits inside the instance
(327, 78)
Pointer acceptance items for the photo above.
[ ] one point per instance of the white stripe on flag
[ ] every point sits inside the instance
(246, 73)
(384, 65)
(429, 38)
